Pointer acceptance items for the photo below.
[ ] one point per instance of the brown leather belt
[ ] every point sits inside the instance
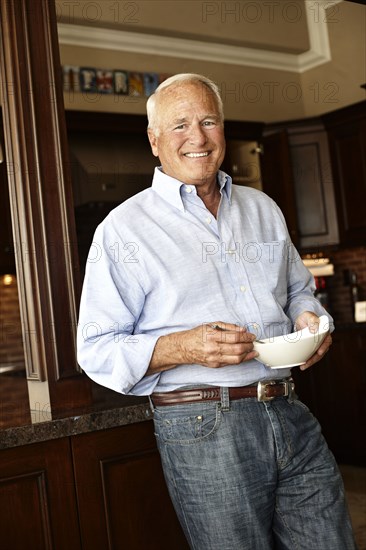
(263, 391)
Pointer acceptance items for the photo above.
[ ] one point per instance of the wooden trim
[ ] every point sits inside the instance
(113, 123)
(40, 192)
(345, 115)
(191, 46)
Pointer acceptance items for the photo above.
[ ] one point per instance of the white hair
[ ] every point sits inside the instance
(176, 80)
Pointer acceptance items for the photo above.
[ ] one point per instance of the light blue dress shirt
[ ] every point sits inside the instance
(161, 262)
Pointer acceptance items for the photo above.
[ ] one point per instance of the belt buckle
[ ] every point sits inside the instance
(289, 389)
(261, 390)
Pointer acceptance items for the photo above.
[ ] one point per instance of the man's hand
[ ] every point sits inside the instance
(308, 319)
(204, 345)
(227, 344)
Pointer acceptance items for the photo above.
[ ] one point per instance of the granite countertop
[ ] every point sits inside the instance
(88, 421)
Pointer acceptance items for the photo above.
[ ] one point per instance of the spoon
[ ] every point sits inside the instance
(217, 327)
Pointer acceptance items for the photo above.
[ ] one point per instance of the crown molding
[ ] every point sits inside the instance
(165, 46)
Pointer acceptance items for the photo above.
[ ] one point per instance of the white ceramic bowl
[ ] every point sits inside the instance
(291, 349)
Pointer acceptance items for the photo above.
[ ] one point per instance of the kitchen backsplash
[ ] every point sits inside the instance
(346, 262)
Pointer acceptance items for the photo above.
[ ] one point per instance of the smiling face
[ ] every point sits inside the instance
(189, 137)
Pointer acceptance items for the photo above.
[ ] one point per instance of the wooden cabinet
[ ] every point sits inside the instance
(347, 139)
(296, 173)
(313, 182)
(242, 157)
(102, 490)
(320, 183)
(334, 390)
(242, 162)
(37, 498)
(277, 178)
(119, 480)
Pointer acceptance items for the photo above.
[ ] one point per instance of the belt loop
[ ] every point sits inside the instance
(151, 404)
(225, 399)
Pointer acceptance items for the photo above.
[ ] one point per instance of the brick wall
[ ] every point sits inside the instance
(339, 293)
(11, 341)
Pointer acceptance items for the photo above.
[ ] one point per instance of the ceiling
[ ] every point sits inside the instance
(290, 36)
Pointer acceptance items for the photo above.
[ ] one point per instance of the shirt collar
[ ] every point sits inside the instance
(225, 183)
(171, 189)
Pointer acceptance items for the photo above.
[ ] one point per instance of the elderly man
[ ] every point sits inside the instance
(189, 273)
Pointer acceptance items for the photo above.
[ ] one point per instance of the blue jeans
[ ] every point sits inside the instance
(252, 475)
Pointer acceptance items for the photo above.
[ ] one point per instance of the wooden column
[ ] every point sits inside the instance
(41, 203)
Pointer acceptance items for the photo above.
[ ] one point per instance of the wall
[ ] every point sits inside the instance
(334, 85)
(249, 93)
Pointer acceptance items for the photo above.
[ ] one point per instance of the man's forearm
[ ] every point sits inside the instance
(168, 353)
(203, 345)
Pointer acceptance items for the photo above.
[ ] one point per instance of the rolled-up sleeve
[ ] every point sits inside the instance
(109, 349)
(300, 291)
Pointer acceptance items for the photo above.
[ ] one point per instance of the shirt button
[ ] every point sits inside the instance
(231, 251)
(188, 189)
(243, 288)
(208, 220)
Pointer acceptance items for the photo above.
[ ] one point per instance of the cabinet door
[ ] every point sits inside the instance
(315, 203)
(37, 499)
(122, 496)
(277, 178)
(347, 138)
